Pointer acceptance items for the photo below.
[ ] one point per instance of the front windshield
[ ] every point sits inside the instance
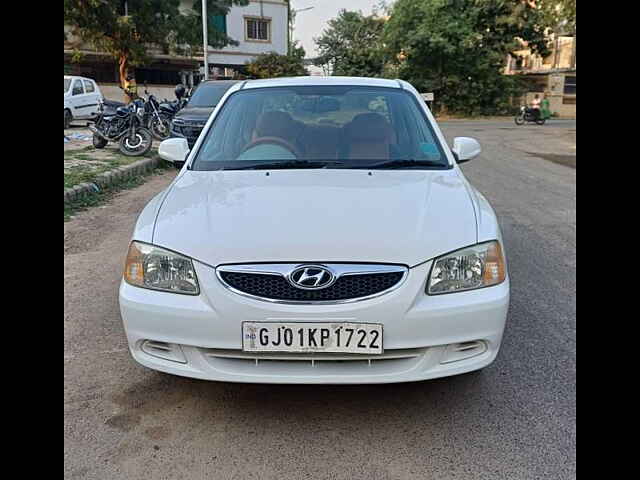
(320, 127)
(67, 84)
(208, 94)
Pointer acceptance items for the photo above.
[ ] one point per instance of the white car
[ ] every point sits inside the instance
(81, 98)
(320, 231)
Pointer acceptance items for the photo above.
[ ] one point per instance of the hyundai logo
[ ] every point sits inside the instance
(311, 277)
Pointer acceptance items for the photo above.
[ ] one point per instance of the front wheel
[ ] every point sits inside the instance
(67, 119)
(519, 120)
(160, 128)
(99, 142)
(138, 145)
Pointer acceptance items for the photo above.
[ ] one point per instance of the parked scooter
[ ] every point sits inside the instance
(529, 115)
(126, 127)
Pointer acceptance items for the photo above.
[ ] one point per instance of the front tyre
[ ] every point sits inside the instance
(519, 120)
(99, 142)
(67, 119)
(160, 128)
(138, 145)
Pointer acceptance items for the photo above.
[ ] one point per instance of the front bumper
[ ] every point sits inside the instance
(423, 335)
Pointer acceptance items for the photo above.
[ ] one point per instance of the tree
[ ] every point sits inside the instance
(458, 48)
(559, 15)
(126, 29)
(270, 65)
(351, 45)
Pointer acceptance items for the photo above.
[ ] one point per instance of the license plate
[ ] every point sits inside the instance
(312, 337)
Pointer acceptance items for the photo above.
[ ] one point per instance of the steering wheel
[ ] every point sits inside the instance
(273, 141)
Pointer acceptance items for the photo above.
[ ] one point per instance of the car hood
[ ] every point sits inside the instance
(190, 114)
(404, 217)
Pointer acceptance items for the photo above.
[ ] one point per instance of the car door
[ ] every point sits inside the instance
(92, 97)
(77, 99)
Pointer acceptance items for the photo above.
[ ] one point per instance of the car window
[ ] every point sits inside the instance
(67, 84)
(77, 88)
(350, 127)
(208, 95)
(88, 86)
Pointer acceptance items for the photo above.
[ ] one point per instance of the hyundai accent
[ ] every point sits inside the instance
(320, 230)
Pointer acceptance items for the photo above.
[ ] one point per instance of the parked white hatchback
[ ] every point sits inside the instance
(320, 231)
(81, 98)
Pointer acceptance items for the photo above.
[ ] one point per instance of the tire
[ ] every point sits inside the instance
(519, 120)
(141, 145)
(67, 119)
(541, 121)
(99, 142)
(160, 128)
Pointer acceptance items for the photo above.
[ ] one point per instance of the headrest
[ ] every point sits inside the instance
(369, 127)
(274, 124)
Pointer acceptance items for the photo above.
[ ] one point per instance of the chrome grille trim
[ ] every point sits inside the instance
(314, 358)
(339, 270)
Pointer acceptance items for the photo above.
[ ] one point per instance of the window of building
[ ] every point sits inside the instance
(88, 86)
(258, 29)
(218, 22)
(569, 85)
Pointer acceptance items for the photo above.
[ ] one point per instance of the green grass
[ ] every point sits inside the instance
(87, 173)
(99, 198)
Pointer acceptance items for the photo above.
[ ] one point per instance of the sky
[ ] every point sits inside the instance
(310, 23)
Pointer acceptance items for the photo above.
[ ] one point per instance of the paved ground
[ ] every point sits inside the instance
(514, 420)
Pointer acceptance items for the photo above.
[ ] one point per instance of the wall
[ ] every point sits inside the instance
(276, 10)
(111, 91)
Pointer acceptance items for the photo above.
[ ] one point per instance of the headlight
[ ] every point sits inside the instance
(473, 267)
(159, 269)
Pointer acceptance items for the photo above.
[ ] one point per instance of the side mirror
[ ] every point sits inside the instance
(465, 148)
(174, 150)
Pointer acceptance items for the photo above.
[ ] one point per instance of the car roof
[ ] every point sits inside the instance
(319, 80)
(219, 82)
(76, 76)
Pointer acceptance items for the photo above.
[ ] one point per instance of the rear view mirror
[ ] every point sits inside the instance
(465, 148)
(174, 150)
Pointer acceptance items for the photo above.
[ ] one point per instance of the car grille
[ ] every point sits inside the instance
(348, 285)
(189, 130)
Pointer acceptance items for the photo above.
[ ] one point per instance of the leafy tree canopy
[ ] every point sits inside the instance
(559, 15)
(458, 48)
(351, 45)
(270, 65)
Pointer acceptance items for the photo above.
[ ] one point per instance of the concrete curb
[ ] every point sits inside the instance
(112, 177)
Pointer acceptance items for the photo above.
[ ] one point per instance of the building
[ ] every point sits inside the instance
(260, 27)
(554, 75)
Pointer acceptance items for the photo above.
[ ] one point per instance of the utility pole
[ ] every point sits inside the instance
(205, 37)
(291, 13)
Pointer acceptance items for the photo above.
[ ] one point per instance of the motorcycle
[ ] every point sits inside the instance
(529, 115)
(125, 126)
(157, 117)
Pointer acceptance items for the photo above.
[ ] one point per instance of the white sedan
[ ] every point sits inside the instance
(320, 231)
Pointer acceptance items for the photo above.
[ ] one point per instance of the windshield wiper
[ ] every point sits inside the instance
(284, 165)
(401, 164)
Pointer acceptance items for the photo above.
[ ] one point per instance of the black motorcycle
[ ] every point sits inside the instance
(157, 118)
(125, 126)
(169, 108)
(529, 115)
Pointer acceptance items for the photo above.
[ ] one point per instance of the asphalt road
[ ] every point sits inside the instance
(513, 420)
